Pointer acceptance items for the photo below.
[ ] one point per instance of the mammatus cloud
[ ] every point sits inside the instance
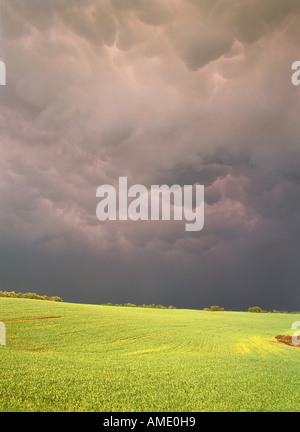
(193, 92)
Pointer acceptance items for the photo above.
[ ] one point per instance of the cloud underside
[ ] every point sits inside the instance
(182, 93)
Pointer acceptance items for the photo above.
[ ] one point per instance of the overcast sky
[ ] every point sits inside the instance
(160, 91)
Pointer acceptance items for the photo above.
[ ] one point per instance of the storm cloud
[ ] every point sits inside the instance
(179, 92)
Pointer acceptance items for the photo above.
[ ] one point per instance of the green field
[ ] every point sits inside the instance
(101, 358)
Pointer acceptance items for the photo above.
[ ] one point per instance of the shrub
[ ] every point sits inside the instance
(140, 306)
(255, 309)
(215, 308)
(34, 296)
(56, 298)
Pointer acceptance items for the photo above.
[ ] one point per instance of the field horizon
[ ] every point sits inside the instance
(63, 356)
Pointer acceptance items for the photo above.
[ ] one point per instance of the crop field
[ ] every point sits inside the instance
(73, 357)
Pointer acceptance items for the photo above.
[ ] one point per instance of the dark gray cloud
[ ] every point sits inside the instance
(193, 92)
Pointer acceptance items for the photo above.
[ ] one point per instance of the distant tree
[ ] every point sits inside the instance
(256, 309)
(34, 296)
(215, 308)
(159, 306)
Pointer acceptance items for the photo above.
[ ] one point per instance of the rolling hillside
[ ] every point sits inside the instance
(72, 357)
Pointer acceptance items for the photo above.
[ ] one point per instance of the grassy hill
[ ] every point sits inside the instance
(72, 357)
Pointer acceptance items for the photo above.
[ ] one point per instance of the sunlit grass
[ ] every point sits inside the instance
(100, 358)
